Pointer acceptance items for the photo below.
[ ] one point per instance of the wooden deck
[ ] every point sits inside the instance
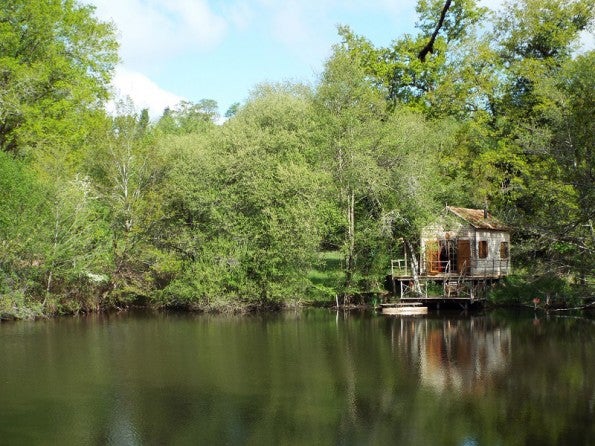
(403, 308)
(442, 288)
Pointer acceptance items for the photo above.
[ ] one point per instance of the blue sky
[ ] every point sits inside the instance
(220, 49)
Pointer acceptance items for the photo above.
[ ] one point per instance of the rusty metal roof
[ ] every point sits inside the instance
(476, 218)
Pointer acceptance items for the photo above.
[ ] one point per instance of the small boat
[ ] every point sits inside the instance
(402, 308)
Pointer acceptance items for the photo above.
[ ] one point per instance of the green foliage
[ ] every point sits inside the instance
(537, 174)
(385, 167)
(104, 211)
(326, 274)
(53, 239)
(23, 212)
(542, 29)
(459, 21)
(538, 290)
(241, 218)
(429, 83)
(56, 62)
(188, 117)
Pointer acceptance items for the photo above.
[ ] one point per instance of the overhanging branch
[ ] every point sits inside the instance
(429, 48)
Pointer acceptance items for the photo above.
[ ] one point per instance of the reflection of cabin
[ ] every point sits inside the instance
(463, 252)
(466, 241)
(466, 355)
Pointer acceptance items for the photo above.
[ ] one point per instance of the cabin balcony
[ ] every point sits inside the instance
(468, 283)
(440, 270)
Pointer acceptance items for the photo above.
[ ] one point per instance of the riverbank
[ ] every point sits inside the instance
(520, 290)
(24, 310)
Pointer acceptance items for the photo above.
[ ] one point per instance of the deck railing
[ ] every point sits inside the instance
(474, 267)
(490, 267)
(398, 266)
(439, 266)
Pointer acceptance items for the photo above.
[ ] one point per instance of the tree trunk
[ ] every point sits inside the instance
(414, 268)
(349, 255)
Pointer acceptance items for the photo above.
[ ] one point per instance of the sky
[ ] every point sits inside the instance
(175, 50)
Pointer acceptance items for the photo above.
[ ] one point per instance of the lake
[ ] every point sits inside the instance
(302, 378)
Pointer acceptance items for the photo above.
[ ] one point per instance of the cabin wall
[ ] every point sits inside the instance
(495, 260)
(491, 259)
(432, 235)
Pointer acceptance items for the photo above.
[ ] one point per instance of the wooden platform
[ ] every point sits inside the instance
(404, 308)
(453, 288)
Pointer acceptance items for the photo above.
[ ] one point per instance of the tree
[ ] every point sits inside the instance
(241, 214)
(188, 117)
(351, 110)
(413, 68)
(76, 255)
(124, 167)
(56, 62)
(232, 110)
(384, 165)
(537, 166)
(545, 30)
(572, 142)
(23, 214)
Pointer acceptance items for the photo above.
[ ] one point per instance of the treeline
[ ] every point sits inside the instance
(103, 211)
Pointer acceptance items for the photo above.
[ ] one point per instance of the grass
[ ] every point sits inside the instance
(327, 276)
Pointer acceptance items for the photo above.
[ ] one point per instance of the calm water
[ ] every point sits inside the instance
(315, 377)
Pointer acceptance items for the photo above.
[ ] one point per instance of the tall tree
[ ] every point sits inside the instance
(537, 169)
(384, 164)
(188, 117)
(413, 67)
(125, 165)
(351, 112)
(56, 62)
(241, 206)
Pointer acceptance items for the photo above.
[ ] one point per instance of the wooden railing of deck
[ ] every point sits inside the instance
(475, 267)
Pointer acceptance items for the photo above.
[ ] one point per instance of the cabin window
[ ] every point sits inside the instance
(504, 250)
(483, 249)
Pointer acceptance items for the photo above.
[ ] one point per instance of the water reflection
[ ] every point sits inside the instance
(312, 377)
(455, 355)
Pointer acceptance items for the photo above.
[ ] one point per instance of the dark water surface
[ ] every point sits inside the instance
(312, 377)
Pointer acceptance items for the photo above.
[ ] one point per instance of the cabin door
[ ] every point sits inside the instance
(433, 257)
(463, 256)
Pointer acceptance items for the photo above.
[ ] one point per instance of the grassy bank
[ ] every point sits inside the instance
(326, 277)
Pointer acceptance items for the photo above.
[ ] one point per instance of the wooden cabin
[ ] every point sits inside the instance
(464, 252)
(467, 242)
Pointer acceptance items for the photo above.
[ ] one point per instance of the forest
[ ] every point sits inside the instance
(305, 192)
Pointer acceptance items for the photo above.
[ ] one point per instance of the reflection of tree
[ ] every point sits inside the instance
(456, 355)
(303, 378)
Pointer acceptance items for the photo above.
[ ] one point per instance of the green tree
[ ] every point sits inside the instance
(23, 214)
(56, 62)
(54, 242)
(125, 166)
(385, 166)
(188, 117)
(350, 111)
(232, 110)
(76, 254)
(539, 164)
(398, 69)
(241, 220)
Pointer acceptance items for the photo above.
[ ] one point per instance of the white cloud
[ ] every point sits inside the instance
(586, 41)
(143, 92)
(239, 14)
(289, 26)
(494, 5)
(155, 28)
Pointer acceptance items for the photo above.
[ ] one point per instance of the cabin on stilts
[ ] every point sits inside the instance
(460, 256)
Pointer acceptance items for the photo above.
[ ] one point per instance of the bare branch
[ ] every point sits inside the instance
(429, 48)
